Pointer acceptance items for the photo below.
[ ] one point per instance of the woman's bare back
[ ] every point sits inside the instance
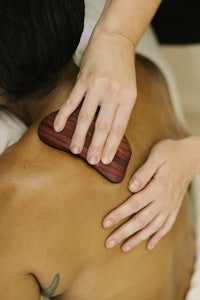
(52, 206)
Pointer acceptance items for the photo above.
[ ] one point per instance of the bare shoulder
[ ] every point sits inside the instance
(15, 278)
(152, 69)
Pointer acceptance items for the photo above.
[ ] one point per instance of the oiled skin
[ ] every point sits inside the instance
(51, 209)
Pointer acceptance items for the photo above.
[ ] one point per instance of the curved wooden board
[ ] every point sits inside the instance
(114, 172)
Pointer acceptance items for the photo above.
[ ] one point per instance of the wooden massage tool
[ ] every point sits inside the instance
(114, 172)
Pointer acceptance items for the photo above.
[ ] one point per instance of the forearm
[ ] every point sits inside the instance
(128, 18)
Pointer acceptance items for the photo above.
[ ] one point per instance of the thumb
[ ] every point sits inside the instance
(145, 173)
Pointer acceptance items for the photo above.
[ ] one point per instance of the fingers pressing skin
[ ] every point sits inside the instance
(161, 232)
(144, 233)
(106, 80)
(110, 125)
(102, 129)
(116, 133)
(127, 229)
(85, 118)
(139, 226)
(144, 174)
(109, 130)
(156, 204)
(128, 208)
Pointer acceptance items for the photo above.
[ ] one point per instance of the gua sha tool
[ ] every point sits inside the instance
(114, 172)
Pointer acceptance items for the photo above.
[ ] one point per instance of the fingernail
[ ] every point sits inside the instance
(93, 160)
(106, 160)
(57, 127)
(150, 247)
(126, 248)
(111, 243)
(75, 150)
(108, 223)
(134, 185)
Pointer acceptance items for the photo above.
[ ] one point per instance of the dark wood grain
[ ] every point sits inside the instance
(114, 172)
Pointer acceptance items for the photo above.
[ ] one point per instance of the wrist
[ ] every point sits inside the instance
(128, 18)
(115, 38)
(109, 30)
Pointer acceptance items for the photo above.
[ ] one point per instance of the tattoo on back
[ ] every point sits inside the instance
(51, 289)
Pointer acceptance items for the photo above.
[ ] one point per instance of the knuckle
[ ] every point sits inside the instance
(97, 82)
(102, 127)
(122, 212)
(140, 237)
(125, 231)
(117, 130)
(114, 87)
(129, 228)
(84, 117)
(63, 112)
(120, 235)
(143, 221)
(156, 226)
(70, 102)
(135, 205)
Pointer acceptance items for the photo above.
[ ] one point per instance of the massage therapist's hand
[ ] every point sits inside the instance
(159, 187)
(106, 80)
